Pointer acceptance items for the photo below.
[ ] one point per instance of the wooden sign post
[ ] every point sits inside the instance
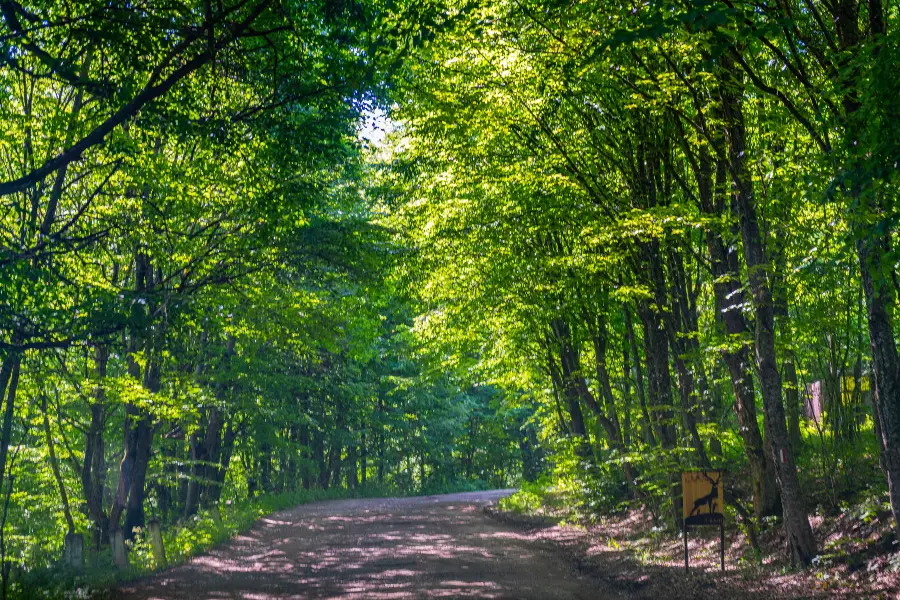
(703, 505)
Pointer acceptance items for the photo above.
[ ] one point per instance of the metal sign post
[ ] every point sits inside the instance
(702, 506)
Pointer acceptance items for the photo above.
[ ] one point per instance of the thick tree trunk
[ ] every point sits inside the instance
(872, 250)
(93, 471)
(134, 510)
(142, 432)
(729, 300)
(886, 367)
(205, 457)
(796, 521)
(138, 434)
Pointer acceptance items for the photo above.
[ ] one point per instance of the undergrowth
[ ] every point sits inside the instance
(189, 538)
(185, 540)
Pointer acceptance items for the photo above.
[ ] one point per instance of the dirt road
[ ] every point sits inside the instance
(431, 547)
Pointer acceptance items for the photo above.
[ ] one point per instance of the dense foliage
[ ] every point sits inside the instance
(672, 225)
(199, 306)
(600, 244)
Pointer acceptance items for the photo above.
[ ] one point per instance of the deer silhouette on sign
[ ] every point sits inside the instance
(708, 500)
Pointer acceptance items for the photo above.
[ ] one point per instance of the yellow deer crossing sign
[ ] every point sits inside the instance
(703, 505)
(703, 498)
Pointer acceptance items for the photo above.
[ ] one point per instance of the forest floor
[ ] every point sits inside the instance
(860, 558)
(426, 547)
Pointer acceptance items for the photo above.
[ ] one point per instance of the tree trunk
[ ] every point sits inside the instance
(134, 510)
(656, 349)
(264, 463)
(292, 470)
(9, 383)
(54, 466)
(205, 457)
(213, 440)
(192, 499)
(334, 464)
(676, 324)
(93, 471)
(788, 368)
(872, 250)
(319, 452)
(729, 301)
(138, 434)
(422, 471)
(573, 383)
(380, 441)
(649, 435)
(579, 430)
(886, 367)
(364, 461)
(305, 457)
(796, 521)
(600, 338)
(227, 451)
(626, 393)
(352, 472)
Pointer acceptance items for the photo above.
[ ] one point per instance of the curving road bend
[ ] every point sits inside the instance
(378, 549)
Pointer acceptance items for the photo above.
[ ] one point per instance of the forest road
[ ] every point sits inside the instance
(427, 547)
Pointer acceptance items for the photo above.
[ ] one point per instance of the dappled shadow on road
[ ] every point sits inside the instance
(445, 547)
(377, 551)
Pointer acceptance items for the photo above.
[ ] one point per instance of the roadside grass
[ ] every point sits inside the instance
(185, 540)
(182, 541)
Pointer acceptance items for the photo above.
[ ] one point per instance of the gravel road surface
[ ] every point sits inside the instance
(428, 547)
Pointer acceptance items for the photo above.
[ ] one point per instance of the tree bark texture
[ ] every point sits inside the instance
(796, 521)
(729, 300)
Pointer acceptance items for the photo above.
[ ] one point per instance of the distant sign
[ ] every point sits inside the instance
(703, 498)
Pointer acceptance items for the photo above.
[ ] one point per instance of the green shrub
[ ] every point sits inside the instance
(182, 541)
